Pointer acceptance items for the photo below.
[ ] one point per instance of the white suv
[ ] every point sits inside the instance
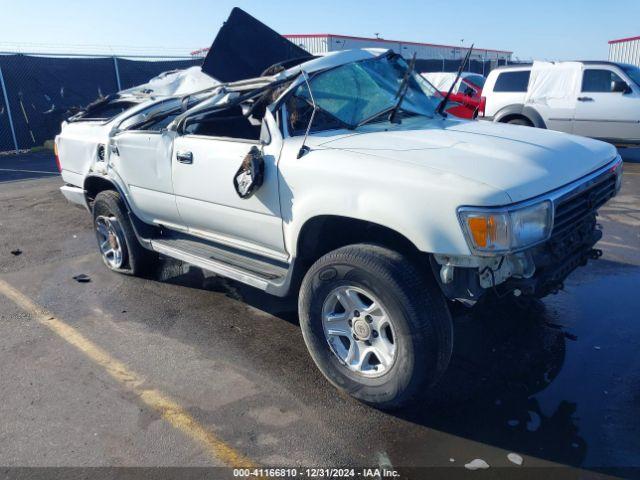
(374, 209)
(594, 99)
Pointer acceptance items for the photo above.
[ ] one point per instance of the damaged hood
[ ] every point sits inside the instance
(523, 162)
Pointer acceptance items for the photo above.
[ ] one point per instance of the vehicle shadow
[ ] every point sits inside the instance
(178, 273)
(504, 354)
(630, 154)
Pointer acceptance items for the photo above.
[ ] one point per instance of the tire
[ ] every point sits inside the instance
(112, 225)
(417, 341)
(520, 121)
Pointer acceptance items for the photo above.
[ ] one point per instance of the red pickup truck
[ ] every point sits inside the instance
(465, 96)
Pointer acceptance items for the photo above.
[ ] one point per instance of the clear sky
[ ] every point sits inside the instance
(540, 29)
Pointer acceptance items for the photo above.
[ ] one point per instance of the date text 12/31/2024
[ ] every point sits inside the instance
(315, 473)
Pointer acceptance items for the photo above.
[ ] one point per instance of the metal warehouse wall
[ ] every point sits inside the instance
(428, 58)
(319, 43)
(453, 65)
(627, 51)
(38, 92)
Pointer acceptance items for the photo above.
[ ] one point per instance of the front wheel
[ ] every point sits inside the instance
(376, 327)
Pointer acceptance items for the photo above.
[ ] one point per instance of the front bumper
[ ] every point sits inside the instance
(549, 265)
(541, 269)
(551, 271)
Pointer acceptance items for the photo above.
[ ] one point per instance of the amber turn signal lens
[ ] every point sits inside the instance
(483, 229)
(504, 230)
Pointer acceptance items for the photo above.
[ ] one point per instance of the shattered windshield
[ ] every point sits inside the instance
(358, 92)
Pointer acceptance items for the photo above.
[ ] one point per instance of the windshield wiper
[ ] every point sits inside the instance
(444, 101)
(402, 90)
(400, 94)
(380, 114)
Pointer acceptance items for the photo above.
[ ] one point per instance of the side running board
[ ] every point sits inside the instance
(260, 272)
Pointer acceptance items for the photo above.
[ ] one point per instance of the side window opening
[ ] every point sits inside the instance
(161, 123)
(512, 81)
(300, 110)
(229, 122)
(155, 118)
(600, 81)
(103, 112)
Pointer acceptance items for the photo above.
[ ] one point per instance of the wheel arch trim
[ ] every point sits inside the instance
(523, 111)
(140, 228)
(318, 223)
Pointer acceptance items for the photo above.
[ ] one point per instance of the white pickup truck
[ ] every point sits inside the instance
(376, 211)
(591, 98)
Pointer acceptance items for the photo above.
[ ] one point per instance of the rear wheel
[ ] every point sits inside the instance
(376, 327)
(118, 244)
(520, 121)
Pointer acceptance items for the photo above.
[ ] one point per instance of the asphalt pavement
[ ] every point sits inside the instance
(556, 383)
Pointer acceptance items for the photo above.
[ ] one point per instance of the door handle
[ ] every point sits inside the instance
(185, 157)
(585, 99)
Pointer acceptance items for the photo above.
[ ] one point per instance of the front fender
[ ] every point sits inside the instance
(418, 203)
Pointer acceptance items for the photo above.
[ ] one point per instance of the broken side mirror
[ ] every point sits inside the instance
(250, 175)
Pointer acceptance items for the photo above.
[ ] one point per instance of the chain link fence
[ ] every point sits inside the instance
(37, 92)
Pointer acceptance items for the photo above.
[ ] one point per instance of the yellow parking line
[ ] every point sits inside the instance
(169, 410)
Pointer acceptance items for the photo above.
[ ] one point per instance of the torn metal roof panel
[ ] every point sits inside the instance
(245, 48)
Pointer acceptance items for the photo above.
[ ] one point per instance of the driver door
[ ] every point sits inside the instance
(204, 164)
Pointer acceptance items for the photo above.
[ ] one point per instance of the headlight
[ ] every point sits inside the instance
(506, 229)
(617, 169)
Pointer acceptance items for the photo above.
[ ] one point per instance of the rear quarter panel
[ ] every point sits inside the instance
(77, 149)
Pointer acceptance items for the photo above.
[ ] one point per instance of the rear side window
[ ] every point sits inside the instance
(512, 81)
(107, 111)
(599, 81)
(153, 118)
